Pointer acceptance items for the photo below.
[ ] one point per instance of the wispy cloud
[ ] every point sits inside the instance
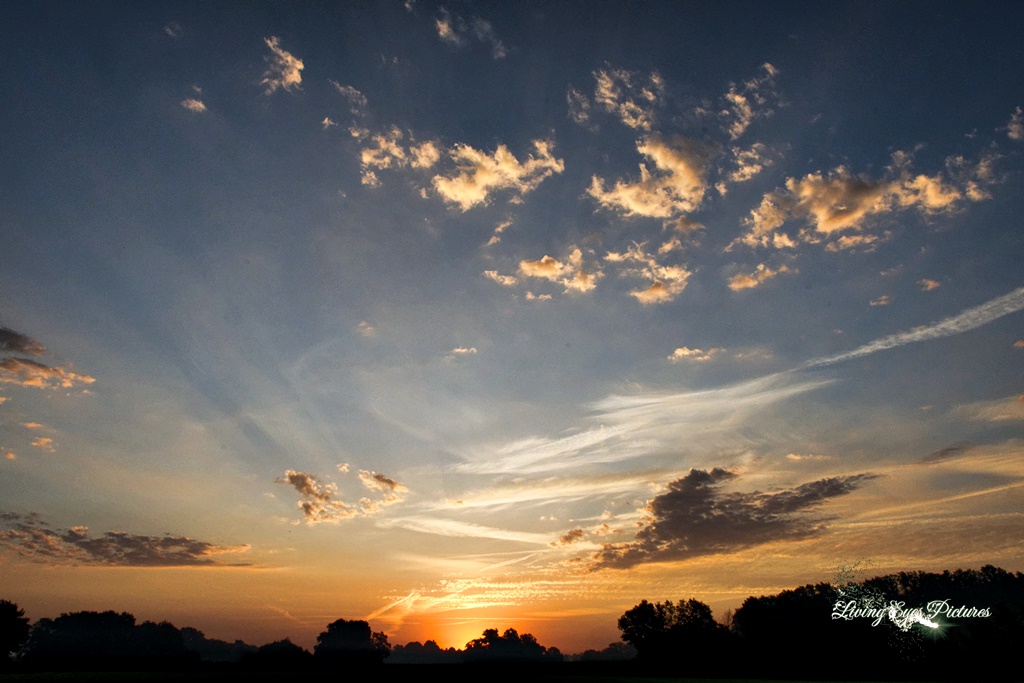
(1004, 409)
(761, 274)
(284, 70)
(454, 30)
(966, 321)
(454, 528)
(479, 174)
(193, 105)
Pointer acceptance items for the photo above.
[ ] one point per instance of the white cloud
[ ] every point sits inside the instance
(478, 174)
(366, 329)
(454, 30)
(965, 321)
(570, 273)
(684, 353)
(676, 188)
(629, 96)
(356, 99)
(841, 201)
(760, 275)
(461, 352)
(193, 105)
(387, 150)
(504, 280)
(579, 106)
(1015, 128)
(747, 101)
(927, 285)
(327, 123)
(667, 281)
(284, 70)
(883, 300)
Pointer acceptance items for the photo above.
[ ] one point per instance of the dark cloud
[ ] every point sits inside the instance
(570, 537)
(694, 518)
(16, 342)
(30, 536)
(943, 454)
(317, 503)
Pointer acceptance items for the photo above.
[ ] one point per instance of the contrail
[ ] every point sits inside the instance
(963, 322)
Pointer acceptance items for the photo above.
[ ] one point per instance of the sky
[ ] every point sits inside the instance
(485, 315)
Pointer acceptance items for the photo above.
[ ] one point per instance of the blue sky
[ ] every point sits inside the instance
(444, 315)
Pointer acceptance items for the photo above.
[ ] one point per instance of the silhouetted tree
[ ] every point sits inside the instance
(213, 650)
(615, 652)
(508, 647)
(427, 653)
(280, 655)
(108, 640)
(13, 630)
(351, 642)
(664, 631)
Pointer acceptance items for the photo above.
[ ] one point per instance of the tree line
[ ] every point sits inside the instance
(839, 631)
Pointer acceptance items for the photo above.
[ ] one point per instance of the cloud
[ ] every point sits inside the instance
(317, 500)
(365, 329)
(478, 174)
(193, 105)
(579, 106)
(570, 273)
(1000, 410)
(747, 101)
(45, 443)
(634, 426)
(1019, 344)
(462, 351)
(30, 536)
(685, 353)
(374, 481)
(29, 373)
(387, 151)
(797, 457)
(284, 70)
(883, 300)
(841, 201)
(746, 163)
(570, 537)
(667, 281)
(966, 321)
(327, 123)
(760, 275)
(456, 529)
(948, 453)
(927, 285)
(454, 30)
(695, 518)
(504, 280)
(356, 100)
(319, 503)
(676, 188)
(1015, 128)
(16, 342)
(629, 96)
(173, 29)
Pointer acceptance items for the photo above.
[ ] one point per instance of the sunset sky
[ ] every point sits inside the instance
(471, 315)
